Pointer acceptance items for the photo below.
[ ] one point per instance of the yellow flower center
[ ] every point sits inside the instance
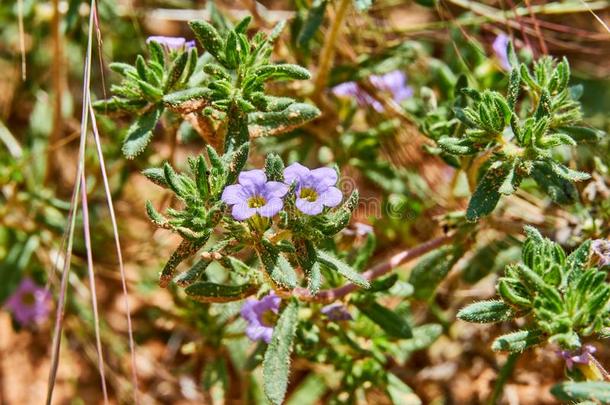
(256, 202)
(269, 318)
(309, 194)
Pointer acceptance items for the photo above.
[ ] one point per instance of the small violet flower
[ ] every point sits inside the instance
(30, 303)
(359, 229)
(172, 43)
(601, 250)
(337, 312)
(582, 356)
(315, 189)
(261, 316)
(394, 82)
(254, 195)
(500, 48)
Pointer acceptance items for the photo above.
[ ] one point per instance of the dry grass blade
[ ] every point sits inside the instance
(61, 300)
(96, 317)
(21, 38)
(117, 241)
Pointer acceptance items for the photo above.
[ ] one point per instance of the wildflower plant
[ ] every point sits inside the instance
(501, 139)
(565, 298)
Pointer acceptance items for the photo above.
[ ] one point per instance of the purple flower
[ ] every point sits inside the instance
(336, 312)
(394, 82)
(314, 188)
(172, 43)
(254, 195)
(359, 229)
(261, 316)
(30, 303)
(500, 47)
(601, 249)
(582, 356)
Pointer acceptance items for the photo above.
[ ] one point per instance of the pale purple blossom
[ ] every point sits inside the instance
(315, 189)
(359, 229)
(254, 195)
(582, 356)
(394, 83)
(172, 43)
(500, 48)
(30, 303)
(336, 312)
(261, 316)
(601, 250)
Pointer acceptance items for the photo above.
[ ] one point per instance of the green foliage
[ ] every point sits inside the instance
(564, 298)
(596, 391)
(229, 83)
(276, 366)
(516, 134)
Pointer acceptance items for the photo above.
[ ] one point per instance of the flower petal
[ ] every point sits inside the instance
(295, 172)
(241, 211)
(234, 194)
(323, 178)
(274, 189)
(253, 179)
(309, 207)
(345, 89)
(272, 207)
(331, 197)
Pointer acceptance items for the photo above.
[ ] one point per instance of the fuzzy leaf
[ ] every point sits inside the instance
(204, 291)
(342, 268)
(486, 195)
(431, 270)
(560, 190)
(598, 391)
(486, 312)
(567, 173)
(277, 122)
(400, 393)
(276, 364)
(208, 37)
(392, 323)
(313, 21)
(517, 342)
(140, 133)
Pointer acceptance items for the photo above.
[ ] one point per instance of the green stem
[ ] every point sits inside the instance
(505, 372)
(237, 128)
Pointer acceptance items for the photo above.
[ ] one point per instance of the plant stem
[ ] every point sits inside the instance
(328, 50)
(375, 272)
(505, 372)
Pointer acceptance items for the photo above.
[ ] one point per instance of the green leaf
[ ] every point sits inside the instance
(277, 122)
(457, 146)
(578, 260)
(276, 364)
(431, 270)
(208, 37)
(392, 323)
(175, 72)
(276, 266)
(486, 195)
(517, 342)
(189, 100)
(342, 268)
(204, 291)
(486, 312)
(140, 133)
(156, 175)
(598, 391)
(400, 393)
(232, 51)
(274, 167)
(560, 190)
(313, 21)
(567, 173)
(583, 134)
